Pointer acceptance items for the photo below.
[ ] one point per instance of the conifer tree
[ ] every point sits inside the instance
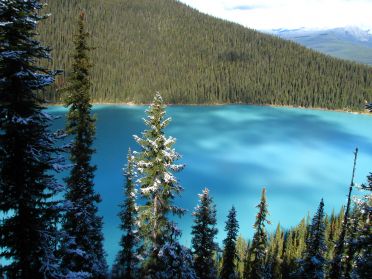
(364, 241)
(351, 249)
(364, 260)
(259, 243)
(336, 270)
(82, 247)
(158, 188)
(127, 259)
(314, 256)
(247, 262)
(225, 69)
(275, 253)
(242, 252)
(294, 247)
(204, 231)
(228, 270)
(288, 259)
(362, 244)
(331, 234)
(28, 204)
(176, 262)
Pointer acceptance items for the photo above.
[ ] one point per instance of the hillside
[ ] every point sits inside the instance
(143, 46)
(346, 43)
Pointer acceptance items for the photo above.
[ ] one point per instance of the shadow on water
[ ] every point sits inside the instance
(263, 125)
(299, 155)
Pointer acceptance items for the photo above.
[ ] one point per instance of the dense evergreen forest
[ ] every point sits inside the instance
(52, 230)
(143, 46)
(320, 246)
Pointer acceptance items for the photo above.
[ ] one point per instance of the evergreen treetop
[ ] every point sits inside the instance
(82, 247)
(314, 260)
(158, 185)
(337, 264)
(228, 270)
(275, 253)
(204, 231)
(294, 247)
(259, 243)
(242, 251)
(127, 259)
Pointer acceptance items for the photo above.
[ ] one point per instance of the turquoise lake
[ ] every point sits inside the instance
(299, 155)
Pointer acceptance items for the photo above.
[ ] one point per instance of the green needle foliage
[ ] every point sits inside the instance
(350, 247)
(228, 270)
(259, 243)
(162, 45)
(204, 231)
(362, 243)
(337, 263)
(294, 247)
(242, 253)
(275, 253)
(314, 261)
(28, 204)
(158, 188)
(82, 246)
(125, 266)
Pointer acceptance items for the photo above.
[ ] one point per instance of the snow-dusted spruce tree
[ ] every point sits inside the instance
(82, 248)
(125, 266)
(228, 270)
(158, 189)
(259, 242)
(204, 231)
(336, 270)
(177, 262)
(28, 203)
(313, 264)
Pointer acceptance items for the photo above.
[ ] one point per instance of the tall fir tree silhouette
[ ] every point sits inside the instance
(28, 205)
(314, 257)
(259, 243)
(228, 270)
(275, 254)
(125, 266)
(82, 245)
(337, 267)
(203, 233)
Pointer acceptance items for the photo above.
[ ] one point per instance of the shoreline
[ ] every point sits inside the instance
(364, 112)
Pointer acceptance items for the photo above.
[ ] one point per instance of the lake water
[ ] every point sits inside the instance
(299, 155)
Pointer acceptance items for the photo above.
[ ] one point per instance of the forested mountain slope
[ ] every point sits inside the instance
(350, 43)
(143, 46)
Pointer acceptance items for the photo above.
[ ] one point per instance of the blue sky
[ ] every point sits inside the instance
(272, 14)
